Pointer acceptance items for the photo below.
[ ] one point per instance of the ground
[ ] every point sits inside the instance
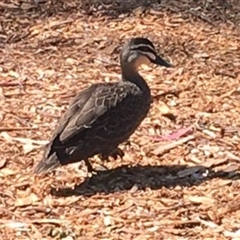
(178, 188)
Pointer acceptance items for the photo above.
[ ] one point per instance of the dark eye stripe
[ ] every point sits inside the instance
(144, 49)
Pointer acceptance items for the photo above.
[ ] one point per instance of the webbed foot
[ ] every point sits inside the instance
(117, 152)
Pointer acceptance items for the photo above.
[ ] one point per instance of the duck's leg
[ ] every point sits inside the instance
(89, 166)
(92, 170)
(117, 152)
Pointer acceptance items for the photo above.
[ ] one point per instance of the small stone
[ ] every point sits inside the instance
(207, 153)
(107, 220)
(194, 151)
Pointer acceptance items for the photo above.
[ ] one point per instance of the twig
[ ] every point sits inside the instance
(178, 222)
(23, 140)
(20, 224)
(7, 84)
(57, 24)
(8, 6)
(49, 220)
(164, 148)
(207, 223)
(10, 129)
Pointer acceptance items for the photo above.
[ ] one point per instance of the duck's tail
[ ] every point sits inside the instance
(47, 164)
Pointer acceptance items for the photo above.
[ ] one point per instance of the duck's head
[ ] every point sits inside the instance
(138, 51)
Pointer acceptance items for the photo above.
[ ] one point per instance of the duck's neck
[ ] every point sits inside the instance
(130, 74)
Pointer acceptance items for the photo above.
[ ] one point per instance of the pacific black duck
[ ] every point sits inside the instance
(104, 115)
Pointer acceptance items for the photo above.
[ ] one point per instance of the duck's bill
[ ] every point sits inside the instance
(161, 62)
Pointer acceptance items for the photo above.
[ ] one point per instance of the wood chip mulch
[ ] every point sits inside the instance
(184, 188)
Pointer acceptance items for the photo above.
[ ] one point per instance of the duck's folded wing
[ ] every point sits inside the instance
(81, 114)
(88, 106)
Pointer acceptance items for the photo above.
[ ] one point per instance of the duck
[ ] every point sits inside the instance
(104, 115)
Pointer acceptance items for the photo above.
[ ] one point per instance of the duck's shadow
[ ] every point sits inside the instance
(142, 177)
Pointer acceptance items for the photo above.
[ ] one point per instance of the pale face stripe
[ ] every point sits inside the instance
(150, 55)
(135, 47)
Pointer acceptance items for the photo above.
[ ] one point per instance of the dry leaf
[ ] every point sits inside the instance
(6, 172)
(28, 144)
(32, 198)
(3, 163)
(232, 156)
(200, 55)
(14, 74)
(233, 235)
(71, 61)
(208, 223)
(201, 200)
(27, 6)
(164, 109)
(107, 220)
(6, 136)
(20, 226)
